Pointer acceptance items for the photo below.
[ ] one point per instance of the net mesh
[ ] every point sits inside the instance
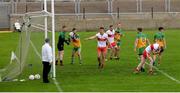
(26, 59)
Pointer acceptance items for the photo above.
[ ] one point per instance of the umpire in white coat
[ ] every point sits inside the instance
(46, 59)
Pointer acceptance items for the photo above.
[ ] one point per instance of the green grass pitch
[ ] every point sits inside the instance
(116, 76)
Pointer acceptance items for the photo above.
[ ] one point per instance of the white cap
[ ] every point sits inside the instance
(156, 46)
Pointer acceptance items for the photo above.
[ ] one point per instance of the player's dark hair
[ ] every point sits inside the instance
(111, 26)
(47, 40)
(161, 28)
(101, 28)
(64, 26)
(74, 29)
(139, 29)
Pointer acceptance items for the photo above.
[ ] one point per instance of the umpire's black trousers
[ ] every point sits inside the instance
(46, 70)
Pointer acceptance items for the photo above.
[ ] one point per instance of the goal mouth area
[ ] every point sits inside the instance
(28, 51)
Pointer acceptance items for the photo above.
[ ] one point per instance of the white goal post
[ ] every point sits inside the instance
(47, 14)
(53, 33)
(53, 37)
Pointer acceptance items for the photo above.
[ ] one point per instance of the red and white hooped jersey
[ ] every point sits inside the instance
(110, 35)
(152, 47)
(102, 39)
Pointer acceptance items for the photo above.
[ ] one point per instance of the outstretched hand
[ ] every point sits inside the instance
(86, 39)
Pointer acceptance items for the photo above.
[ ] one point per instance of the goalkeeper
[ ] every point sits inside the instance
(60, 45)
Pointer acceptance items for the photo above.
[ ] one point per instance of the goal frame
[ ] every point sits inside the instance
(53, 33)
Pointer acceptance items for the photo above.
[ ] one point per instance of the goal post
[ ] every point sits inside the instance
(52, 15)
(45, 19)
(36, 27)
(53, 37)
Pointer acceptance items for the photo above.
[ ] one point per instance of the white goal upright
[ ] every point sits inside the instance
(47, 14)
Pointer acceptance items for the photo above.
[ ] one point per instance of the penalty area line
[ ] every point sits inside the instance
(165, 74)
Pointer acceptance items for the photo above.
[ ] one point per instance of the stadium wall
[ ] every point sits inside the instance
(96, 13)
(129, 21)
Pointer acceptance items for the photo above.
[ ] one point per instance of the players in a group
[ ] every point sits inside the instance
(151, 49)
(140, 44)
(111, 42)
(117, 37)
(112, 39)
(75, 39)
(159, 38)
(102, 38)
(60, 45)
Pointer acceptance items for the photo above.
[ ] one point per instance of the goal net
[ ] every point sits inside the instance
(26, 59)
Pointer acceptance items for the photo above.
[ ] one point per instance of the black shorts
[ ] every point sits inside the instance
(60, 47)
(162, 49)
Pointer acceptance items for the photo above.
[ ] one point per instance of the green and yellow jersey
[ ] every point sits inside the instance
(142, 40)
(75, 39)
(159, 38)
(118, 35)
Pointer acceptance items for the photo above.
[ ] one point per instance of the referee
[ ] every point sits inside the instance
(46, 59)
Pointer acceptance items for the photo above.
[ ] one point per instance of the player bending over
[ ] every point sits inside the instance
(75, 39)
(154, 48)
(111, 42)
(159, 38)
(117, 37)
(102, 38)
(60, 45)
(140, 44)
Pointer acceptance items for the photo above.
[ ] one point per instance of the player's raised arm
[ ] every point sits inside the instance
(92, 37)
(67, 41)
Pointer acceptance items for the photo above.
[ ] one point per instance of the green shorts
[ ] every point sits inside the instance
(77, 49)
(118, 43)
(141, 50)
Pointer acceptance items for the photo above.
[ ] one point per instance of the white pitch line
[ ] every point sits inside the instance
(57, 85)
(35, 49)
(165, 74)
(54, 79)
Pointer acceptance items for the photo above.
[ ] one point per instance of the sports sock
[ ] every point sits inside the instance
(72, 60)
(61, 62)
